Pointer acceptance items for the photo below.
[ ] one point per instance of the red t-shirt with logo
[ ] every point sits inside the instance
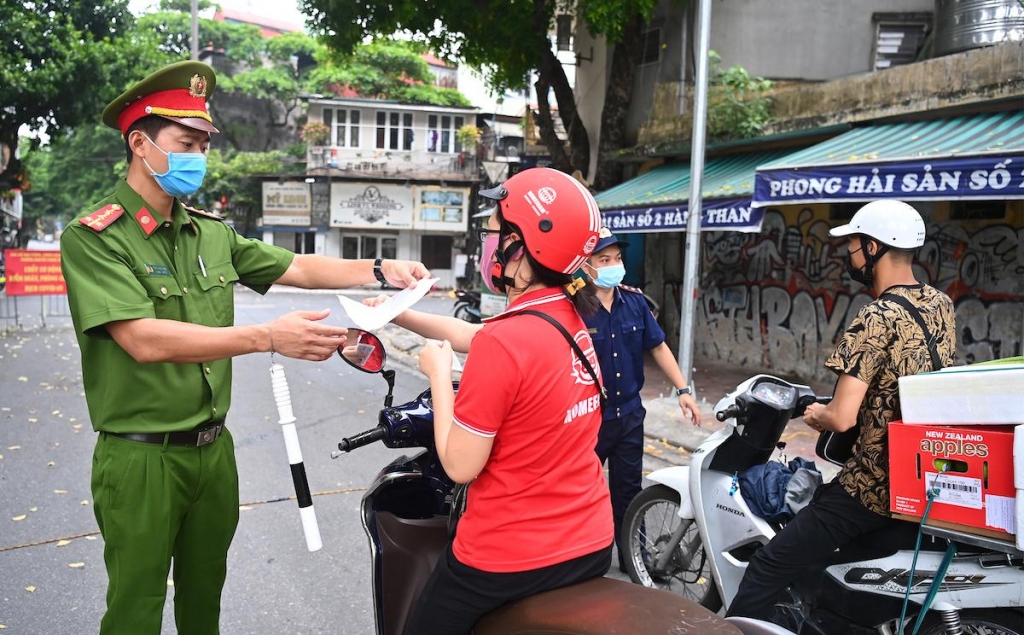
(541, 499)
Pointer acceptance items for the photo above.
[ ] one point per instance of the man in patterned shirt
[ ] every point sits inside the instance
(898, 334)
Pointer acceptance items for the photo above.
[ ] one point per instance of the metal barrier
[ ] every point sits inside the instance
(18, 312)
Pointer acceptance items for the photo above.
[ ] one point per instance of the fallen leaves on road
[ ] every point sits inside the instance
(20, 518)
(30, 589)
(14, 447)
(60, 491)
(85, 503)
(76, 565)
(63, 543)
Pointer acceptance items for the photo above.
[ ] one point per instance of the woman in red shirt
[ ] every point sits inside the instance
(524, 425)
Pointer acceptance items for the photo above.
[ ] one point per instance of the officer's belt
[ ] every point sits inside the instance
(206, 434)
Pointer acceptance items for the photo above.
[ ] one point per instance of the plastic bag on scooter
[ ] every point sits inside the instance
(766, 488)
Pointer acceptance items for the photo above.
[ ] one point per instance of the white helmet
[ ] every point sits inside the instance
(892, 223)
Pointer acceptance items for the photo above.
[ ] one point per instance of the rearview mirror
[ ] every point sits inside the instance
(363, 350)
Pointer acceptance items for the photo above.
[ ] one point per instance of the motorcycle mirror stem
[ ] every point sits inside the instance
(389, 376)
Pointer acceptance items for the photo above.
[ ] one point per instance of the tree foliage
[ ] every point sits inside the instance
(56, 58)
(738, 106)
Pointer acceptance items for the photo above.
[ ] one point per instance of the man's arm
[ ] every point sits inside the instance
(300, 335)
(309, 271)
(841, 414)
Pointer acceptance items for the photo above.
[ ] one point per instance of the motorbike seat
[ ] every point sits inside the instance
(602, 606)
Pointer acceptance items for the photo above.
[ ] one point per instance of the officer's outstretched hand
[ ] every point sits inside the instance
(403, 273)
(303, 335)
(690, 408)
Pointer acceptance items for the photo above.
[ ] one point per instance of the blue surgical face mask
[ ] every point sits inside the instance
(185, 172)
(610, 276)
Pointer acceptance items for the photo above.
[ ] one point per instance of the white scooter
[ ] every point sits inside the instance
(693, 533)
(409, 513)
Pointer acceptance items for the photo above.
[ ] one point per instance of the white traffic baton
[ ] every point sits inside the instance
(283, 399)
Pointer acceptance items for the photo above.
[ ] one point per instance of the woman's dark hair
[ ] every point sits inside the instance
(150, 125)
(584, 299)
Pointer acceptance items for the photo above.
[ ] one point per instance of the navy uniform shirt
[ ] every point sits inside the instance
(621, 337)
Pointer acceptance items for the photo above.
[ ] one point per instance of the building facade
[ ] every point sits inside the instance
(387, 180)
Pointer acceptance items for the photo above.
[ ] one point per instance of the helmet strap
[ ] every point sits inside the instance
(869, 260)
(503, 256)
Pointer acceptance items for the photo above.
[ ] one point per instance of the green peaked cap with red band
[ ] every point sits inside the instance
(177, 92)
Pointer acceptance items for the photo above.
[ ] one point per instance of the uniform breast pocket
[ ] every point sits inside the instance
(218, 291)
(165, 294)
(632, 332)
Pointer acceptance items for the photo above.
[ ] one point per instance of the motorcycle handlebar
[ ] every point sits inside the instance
(363, 438)
(728, 413)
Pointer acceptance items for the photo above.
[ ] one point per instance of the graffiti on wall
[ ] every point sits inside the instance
(780, 299)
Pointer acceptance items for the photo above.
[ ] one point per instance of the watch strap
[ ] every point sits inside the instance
(685, 390)
(377, 273)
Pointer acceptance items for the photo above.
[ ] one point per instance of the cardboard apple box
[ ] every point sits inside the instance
(976, 490)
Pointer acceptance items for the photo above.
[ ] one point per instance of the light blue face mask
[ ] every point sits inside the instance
(185, 172)
(610, 276)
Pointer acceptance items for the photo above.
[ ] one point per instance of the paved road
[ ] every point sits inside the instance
(274, 585)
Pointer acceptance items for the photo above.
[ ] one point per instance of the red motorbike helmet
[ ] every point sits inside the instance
(557, 216)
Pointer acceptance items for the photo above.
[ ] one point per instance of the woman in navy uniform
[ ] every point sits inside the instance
(623, 329)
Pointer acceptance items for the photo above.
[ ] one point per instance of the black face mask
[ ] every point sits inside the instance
(866, 275)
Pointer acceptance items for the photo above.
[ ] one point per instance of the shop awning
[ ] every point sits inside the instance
(657, 201)
(961, 158)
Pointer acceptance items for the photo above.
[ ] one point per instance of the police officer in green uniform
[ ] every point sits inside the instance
(150, 283)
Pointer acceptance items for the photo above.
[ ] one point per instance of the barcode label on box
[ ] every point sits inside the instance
(955, 490)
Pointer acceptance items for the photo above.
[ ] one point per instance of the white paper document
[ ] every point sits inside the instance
(372, 318)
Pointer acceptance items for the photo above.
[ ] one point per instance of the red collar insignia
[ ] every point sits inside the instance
(146, 221)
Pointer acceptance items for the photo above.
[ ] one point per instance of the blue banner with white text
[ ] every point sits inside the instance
(735, 215)
(941, 179)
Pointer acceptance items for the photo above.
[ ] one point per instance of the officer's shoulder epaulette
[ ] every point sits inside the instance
(625, 287)
(203, 213)
(102, 218)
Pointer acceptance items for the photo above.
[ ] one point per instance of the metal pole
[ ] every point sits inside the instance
(195, 29)
(691, 272)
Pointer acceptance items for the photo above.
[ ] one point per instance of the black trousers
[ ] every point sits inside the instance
(621, 443)
(832, 520)
(456, 595)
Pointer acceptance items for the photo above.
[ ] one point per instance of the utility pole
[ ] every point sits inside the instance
(691, 271)
(195, 30)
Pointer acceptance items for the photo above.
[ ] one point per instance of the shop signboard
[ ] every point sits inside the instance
(286, 204)
(443, 209)
(371, 206)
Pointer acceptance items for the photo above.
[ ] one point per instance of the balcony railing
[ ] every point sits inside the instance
(396, 164)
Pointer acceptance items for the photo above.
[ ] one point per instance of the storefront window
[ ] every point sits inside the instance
(368, 246)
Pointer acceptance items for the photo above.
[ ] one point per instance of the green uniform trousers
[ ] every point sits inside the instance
(155, 503)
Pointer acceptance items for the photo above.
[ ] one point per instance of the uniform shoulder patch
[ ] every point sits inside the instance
(103, 217)
(625, 287)
(203, 213)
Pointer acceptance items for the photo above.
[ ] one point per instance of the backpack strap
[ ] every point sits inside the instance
(575, 347)
(929, 339)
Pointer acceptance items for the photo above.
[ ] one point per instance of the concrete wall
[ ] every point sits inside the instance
(797, 39)
(779, 299)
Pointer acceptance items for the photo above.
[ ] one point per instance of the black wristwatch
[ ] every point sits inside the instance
(377, 273)
(685, 390)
